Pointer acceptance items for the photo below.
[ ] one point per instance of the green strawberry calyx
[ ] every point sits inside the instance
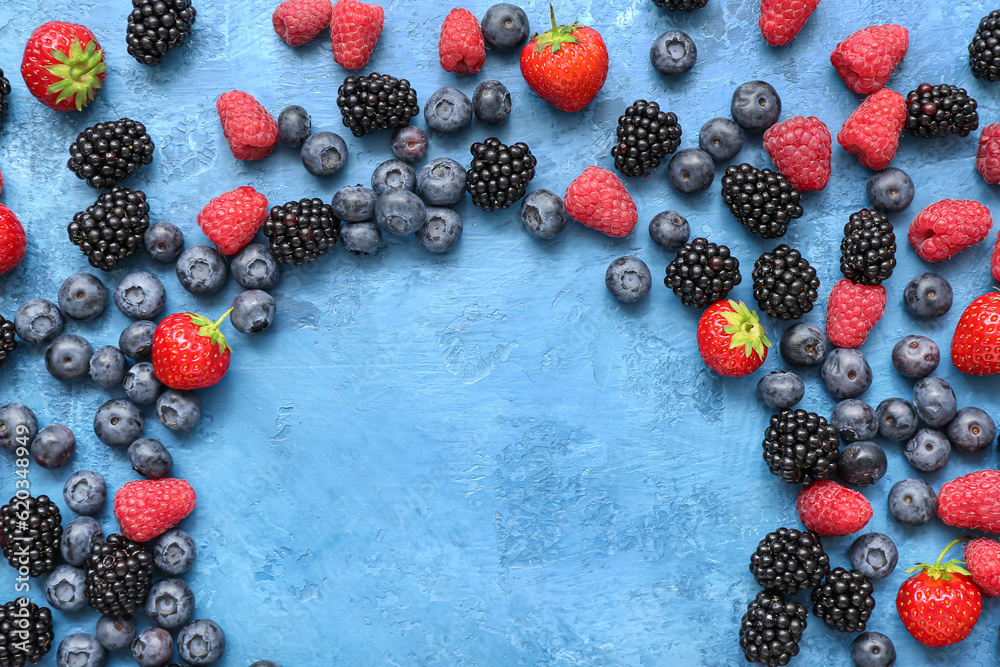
(559, 35)
(210, 330)
(943, 571)
(78, 72)
(745, 330)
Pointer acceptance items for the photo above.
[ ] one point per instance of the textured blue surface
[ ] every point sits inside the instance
(481, 458)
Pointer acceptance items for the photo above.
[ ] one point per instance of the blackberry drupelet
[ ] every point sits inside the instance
(157, 26)
(784, 283)
(301, 231)
(844, 601)
(499, 174)
(789, 560)
(4, 94)
(36, 538)
(105, 153)
(118, 576)
(16, 648)
(762, 200)
(702, 273)
(801, 447)
(112, 228)
(771, 629)
(984, 50)
(645, 136)
(7, 341)
(376, 102)
(934, 111)
(868, 251)
(681, 5)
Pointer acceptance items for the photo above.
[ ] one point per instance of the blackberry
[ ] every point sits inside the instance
(801, 446)
(25, 633)
(301, 231)
(4, 94)
(784, 283)
(681, 5)
(376, 102)
(762, 200)
(7, 341)
(157, 26)
(106, 153)
(112, 228)
(771, 629)
(702, 273)
(499, 174)
(844, 601)
(868, 251)
(984, 50)
(645, 136)
(118, 576)
(789, 560)
(35, 537)
(934, 111)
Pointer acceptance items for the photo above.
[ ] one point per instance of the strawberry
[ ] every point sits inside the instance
(800, 149)
(231, 219)
(975, 347)
(852, 311)
(988, 154)
(354, 31)
(598, 199)
(251, 131)
(566, 66)
(299, 21)
(13, 242)
(833, 510)
(972, 501)
(947, 227)
(63, 65)
(731, 339)
(866, 59)
(147, 508)
(872, 130)
(189, 351)
(461, 49)
(940, 604)
(982, 560)
(781, 20)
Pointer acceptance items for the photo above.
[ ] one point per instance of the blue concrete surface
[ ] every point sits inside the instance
(481, 458)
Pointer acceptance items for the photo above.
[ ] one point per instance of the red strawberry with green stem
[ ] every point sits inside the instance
(975, 347)
(189, 351)
(13, 242)
(63, 65)
(731, 339)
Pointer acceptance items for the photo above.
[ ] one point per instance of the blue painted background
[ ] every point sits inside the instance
(482, 458)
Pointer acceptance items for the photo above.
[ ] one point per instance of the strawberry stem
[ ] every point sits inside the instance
(557, 36)
(745, 330)
(210, 329)
(943, 571)
(78, 72)
(223, 318)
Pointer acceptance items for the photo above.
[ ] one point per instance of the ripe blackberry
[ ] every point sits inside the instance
(105, 153)
(702, 273)
(771, 629)
(868, 251)
(35, 537)
(984, 50)
(376, 102)
(789, 560)
(157, 26)
(7, 341)
(301, 231)
(118, 575)
(681, 5)
(645, 136)
(112, 228)
(25, 633)
(499, 174)
(844, 601)
(4, 94)
(934, 111)
(801, 447)
(784, 283)
(762, 200)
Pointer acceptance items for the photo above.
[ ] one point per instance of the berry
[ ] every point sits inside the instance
(982, 559)
(84, 492)
(934, 111)
(781, 20)
(67, 358)
(784, 283)
(189, 351)
(691, 171)
(731, 340)
(833, 510)
(852, 311)
(872, 130)
(461, 48)
(393, 174)
(441, 182)
(983, 51)
(499, 175)
(928, 295)
(400, 211)
(598, 199)
(156, 27)
(702, 273)
(251, 131)
(755, 106)
(118, 422)
(928, 450)
(846, 373)
(164, 241)
(912, 501)
(4, 94)
(789, 560)
(254, 267)
(975, 345)
(771, 628)
(874, 555)
(844, 601)
(800, 149)
(761, 200)
(780, 389)
(803, 345)
(253, 311)
(854, 420)
(53, 446)
(140, 296)
(324, 154)
(441, 231)
(543, 214)
(136, 341)
(354, 203)
(721, 138)
(354, 31)
(988, 154)
(669, 229)
(175, 551)
(300, 231)
(83, 296)
(30, 635)
(361, 238)
(179, 411)
(645, 135)
(628, 279)
(294, 124)
(201, 269)
(231, 219)
(7, 341)
(890, 190)
(147, 508)
(947, 227)
(915, 356)
(80, 649)
(897, 419)
(112, 228)
(150, 458)
(801, 447)
(13, 242)
(30, 530)
(64, 588)
(409, 143)
(152, 647)
(115, 633)
(63, 65)
(971, 501)
(78, 538)
(868, 250)
(681, 5)
(673, 53)
(141, 384)
(505, 27)
(297, 22)
(935, 401)
(873, 649)
(170, 603)
(376, 101)
(38, 321)
(865, 60)
(491, 102)
(971, 430)
(106, 153)
(201, 642)
(940, 604)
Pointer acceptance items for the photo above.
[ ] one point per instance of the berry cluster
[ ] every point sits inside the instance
(645, 136)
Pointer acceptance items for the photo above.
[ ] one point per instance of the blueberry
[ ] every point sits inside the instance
(107, 366)
(174, 551)
(64, 588)
(85, 492)
(164, 241)
(912, 501)
(972, 430)
(669, 229)
(928, 450)
(254, 267)
(150, 458)
(873, 649)
(178, 410)
(393, 175)
(916, 356)
(136, 341)
(354, 203)
(294, 126)
(935, 401)
(628, 279)
(846, 373)
(324, 154)
(170, 603)
(441, 182)
(803, 345)
(672, 53)
(153, 647)
(890, 190)
(690, 170)
(543, 214)
(441, 231)
(201, 642)
(53, 446)
(80, 649)
(780, 389)
(447, 110)
(265, 663)
(140, 296)
(874, 554)
(755, 106)
(115, 632)
(897, 419)
(38, 321)
(505, 27)
(721, 138)
(854, 420)
(118, 423)
(83, 296)
(253, 311)
(928, 295)
(400, 212)
(861, 463)
(361, 238)
(67, 358)
(78, 539)
(409, 144)
(18, 427)
(201, 270)
(491, 102)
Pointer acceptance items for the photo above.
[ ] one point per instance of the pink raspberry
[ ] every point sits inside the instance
(988, 154)
(947, 227)
(852, 312)
(299, 21)
(866, 59)
(872, 130)
(800, 149)
(597, 199)
(354, 32)
(251, 131)
(461, 48)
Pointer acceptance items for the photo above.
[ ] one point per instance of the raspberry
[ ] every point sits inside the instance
(231, 219)
(781, 20)
(597, 199)
(299, 21)
(852, 311)
(995, 261)
(947, 227)
(147, 508)
(354, 30)
(866, 59)
(988, 154)
(251, 131)
(461, 48)
(832, 510)
(982, 560)
(972, 501)
(800, 149)
(872, 131)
